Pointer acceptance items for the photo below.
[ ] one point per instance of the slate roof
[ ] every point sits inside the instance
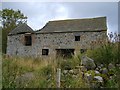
(72, 25)
(20, 29)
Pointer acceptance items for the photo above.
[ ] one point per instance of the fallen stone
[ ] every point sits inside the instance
(97, 69)
(97, 72)
(101, 65)
(98, 78)
(71, 71)
(104, 71)
(88, 62)
(88, 76)
(111, 66)
(65, 72)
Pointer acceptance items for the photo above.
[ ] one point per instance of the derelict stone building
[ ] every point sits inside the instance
(63, 37)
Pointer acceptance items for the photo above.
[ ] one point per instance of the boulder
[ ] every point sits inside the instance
(88, 77)
(98, 78)
(111, 66)
(100, 70)
(104, 71)
(97, 72)
(71, 71)
(101, 65)
(88, 62)
(65, 72)
(97, 69)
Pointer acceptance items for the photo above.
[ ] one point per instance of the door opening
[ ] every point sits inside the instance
(64, 53)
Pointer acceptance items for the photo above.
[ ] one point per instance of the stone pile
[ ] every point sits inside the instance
(93, 74)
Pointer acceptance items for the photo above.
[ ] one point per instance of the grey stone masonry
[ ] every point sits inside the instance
(38, 43)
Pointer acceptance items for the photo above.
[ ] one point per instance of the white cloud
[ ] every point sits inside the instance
(46, 12)
(39, 13)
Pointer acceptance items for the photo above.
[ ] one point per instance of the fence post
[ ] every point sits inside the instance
(58, 77)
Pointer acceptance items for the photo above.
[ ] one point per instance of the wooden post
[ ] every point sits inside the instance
(58, 77)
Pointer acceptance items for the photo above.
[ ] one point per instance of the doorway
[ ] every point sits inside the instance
(64, 53)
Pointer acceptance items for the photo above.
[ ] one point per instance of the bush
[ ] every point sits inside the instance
(107, 53)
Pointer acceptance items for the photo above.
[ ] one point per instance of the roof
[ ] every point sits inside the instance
(22, 28)
(72, 25)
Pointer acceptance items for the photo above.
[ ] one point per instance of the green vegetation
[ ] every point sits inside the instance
(107, 53)
(10, 19)
(43, 70)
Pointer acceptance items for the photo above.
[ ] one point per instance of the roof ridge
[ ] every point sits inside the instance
(72, 19)
(86, 24)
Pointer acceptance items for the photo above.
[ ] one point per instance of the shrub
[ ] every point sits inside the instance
(108, 53)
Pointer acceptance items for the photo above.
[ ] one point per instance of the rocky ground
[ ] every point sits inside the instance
(94, 75)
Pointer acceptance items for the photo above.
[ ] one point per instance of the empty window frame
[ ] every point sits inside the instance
(45, 51)
(77, 38)
(28, 40)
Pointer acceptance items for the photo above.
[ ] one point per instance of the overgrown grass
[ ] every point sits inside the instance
(44, 72)
(107, 53)
(15, 67)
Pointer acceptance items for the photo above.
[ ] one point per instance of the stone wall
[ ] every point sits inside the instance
(16, 46)
(53, 41)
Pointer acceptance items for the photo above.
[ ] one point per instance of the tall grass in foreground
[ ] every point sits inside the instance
(44, 72)
(15, 67)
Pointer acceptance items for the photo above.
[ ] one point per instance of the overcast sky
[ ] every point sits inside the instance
(39, 13)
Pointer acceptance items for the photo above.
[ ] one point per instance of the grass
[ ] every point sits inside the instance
(15, 67)
(107, 53)
(43, 70)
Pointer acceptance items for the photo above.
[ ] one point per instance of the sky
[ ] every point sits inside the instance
(39, 13)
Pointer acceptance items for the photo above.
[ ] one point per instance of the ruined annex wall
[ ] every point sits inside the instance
(54, 41)
(16, 47)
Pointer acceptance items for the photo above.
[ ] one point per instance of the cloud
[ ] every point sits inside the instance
(95, 9)
(39, 13)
